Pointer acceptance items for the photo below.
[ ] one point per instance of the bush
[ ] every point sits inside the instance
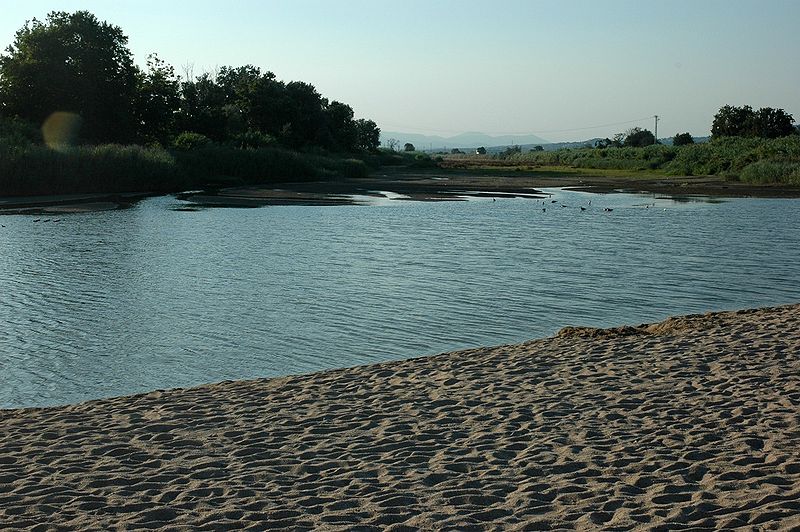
(18, 132)
(423, 160)
(252, 139)
(223, 164)
(767, 172)
(39, 170)
(106, 168)
(354, 168)
(727, 156)
(189, 140)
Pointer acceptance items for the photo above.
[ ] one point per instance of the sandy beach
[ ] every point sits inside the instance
(689, 423)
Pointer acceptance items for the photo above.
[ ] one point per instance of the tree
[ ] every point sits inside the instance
(157, 100)
(201, 110)
(368, 135)
(773, 123)
(682, 139)
(393, 144)
(733, 121)
(537, 148)
(409, 147)
(602, 143)
(306, 116)
(638, 138)
(342, 131)
(72, 63)
(268, 105)
(767, 122)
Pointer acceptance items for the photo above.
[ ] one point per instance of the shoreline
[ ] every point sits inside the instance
(69, 203)
(453, 185)
(691, 421)
(416, 185)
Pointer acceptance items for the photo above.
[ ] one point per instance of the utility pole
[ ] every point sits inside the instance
(656, 128)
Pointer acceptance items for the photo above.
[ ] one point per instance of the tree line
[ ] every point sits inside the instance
(730, 121)
(72, 62)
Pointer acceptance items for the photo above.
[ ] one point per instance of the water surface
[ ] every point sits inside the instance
(111, 303)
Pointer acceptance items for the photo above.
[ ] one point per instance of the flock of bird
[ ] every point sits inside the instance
(39, 220)
(582, 208)
(544, 209)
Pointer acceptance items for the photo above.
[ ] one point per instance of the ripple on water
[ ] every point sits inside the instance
(151, 297)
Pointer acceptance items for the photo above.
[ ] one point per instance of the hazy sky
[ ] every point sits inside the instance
(554, 68)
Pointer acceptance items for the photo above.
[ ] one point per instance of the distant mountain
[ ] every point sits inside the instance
(493, 144)
(469, 140)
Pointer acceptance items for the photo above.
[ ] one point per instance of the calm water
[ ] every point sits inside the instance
(119, 302)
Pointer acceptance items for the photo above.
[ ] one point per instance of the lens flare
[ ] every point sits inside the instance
(61, 129)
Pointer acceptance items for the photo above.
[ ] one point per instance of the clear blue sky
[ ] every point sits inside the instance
(519, 66)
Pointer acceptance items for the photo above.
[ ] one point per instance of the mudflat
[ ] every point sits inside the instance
(451, 184)
(439, 184)
(694, 421)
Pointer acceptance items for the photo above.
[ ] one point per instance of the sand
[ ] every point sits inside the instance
(68, 203)
(456, 183)
(694, 422)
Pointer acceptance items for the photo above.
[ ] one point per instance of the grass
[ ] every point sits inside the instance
(529, 169)
(752, 160)
(769, 172)
(29, 168)
(33, 169)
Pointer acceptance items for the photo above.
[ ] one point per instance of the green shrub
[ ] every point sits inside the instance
(214, 163)
(354, 168)
(18, 132)
(188, 140)
(106, 168)
(252, 139)
(726, 156)
(767, 172)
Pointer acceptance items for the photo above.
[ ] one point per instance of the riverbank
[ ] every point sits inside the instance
(68, 203)
(692, 421)
(454, 184)
(435, 184)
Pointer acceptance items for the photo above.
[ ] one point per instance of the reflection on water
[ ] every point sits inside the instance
(152, 297)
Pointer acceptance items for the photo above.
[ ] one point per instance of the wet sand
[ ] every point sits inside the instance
(68, 203)
(692, 422)
(456, 184)
(440, 184)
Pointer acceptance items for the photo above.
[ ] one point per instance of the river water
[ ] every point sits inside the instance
(151, 297)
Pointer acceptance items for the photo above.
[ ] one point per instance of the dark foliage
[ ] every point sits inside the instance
(78, 64)
(639, 138)
(682, 139)
(368, 135)
(768, 123)
(73, 63)
(157, 99)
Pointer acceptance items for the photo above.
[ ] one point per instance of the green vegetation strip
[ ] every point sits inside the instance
(752, 160)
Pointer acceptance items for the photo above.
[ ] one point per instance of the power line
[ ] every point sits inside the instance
(595, 127)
